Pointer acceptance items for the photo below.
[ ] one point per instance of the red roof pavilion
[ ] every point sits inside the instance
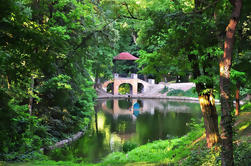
(125, 56)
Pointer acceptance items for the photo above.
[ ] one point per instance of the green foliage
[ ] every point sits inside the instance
(246, 107)
(164, 90)
(128, 146)
(238, 76)
(175, 92)
(124, 89)
(167, 151)
(21, 134)
(52, 51)
(49, 54)
(178, 92)
(242, 154)
(59, 82)
(244, 92)
(203, 156)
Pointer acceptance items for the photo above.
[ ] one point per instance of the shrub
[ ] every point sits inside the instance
(128, 146)
(124, 89)
(178, 92)
(175, 92)
(242, 154)
(246, 107)
(164, 90)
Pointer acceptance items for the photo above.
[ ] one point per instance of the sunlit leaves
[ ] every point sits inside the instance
(59, 30)
(59, 82)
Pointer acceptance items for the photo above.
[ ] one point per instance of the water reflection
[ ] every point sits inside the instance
(116, 107)
(138, 121)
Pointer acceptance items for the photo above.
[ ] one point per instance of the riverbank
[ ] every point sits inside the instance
(187, 150)
(171, 98)
(190, 149)
(67, 141)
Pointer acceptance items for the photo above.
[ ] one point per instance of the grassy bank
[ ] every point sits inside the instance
(188, 150)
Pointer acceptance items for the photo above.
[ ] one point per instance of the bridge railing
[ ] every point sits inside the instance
(133, 76)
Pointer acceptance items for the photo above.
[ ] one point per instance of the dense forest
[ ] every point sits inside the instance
(53, 52)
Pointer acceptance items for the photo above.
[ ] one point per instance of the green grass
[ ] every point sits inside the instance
(158, 152)
(200, 155)
(246, 107)
(178, 92)
(189, 93)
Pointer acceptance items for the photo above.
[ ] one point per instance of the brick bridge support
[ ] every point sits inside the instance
(133, 81)
(118, 82)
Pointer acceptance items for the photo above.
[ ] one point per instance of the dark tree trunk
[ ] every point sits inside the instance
(237, 99)
(96, 81)
(96, 117)
(226, 102)
(207, 105)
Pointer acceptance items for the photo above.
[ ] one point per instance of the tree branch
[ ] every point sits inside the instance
(130, 13)
(123, 16)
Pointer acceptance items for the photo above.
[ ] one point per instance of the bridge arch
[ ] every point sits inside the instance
(123, 88)
(109, 88)
(138, 86)
(105, 84)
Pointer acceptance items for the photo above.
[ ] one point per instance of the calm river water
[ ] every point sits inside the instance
(137, 121)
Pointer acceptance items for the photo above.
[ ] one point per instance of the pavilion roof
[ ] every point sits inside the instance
(125, 56)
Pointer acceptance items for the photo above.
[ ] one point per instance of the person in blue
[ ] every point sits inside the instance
(136, 108)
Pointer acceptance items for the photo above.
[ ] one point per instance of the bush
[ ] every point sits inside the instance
(175, 92)
(242, 154)
(164, 90)
(246, 107)
(178, 92)
(124, 89)
(128, 146)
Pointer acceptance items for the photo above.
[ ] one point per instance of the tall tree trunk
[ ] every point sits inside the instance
(237, 99)
(226, 106)
(207, 105)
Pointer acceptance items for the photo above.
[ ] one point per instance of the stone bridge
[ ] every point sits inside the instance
(133, 81)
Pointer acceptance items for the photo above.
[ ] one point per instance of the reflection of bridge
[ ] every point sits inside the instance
(116, 110)
(148, 105)
(133, 81)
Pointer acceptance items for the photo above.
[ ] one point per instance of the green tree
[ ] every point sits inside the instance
(226, 100)
(175, 37)
(48, 64)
